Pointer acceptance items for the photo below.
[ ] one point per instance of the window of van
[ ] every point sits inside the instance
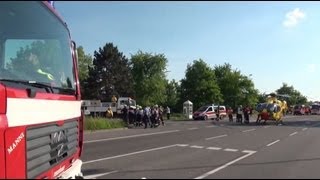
(221, 108)
(203, 108)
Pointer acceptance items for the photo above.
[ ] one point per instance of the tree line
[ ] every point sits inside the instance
(143, 77)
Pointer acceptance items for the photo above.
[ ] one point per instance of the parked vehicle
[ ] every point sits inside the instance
(222, 111)
(209, 112)
(299, 110)
(96, 107)
(307, 110)
(315, 109)
(41, 127)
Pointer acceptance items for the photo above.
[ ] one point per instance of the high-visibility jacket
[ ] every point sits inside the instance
(49, 76)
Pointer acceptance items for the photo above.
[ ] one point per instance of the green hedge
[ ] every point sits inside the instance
(177, 117)
(97, 123)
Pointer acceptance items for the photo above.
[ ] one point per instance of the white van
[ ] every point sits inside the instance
(222, 111)
(209, 112)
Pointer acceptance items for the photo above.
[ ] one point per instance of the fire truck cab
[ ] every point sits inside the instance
(41, 123)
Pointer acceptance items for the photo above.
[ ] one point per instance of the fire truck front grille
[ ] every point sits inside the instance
(48, 145)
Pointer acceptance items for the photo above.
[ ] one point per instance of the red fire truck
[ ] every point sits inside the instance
(41, 122)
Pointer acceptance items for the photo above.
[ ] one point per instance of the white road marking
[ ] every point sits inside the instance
(129, 154)
(231, 150)
(192, 128)
(94, 176)
(210, 126)
(304, 129)
(249, 153)
(273, 142)
(217, 137)
(125, 137)
(249, 130)
(293, 133)
(214, 148)
(182, 145)
(222, 125)
(198, 147)
(266, 126)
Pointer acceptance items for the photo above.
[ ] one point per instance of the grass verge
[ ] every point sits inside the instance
(98, 123)
(178, 117)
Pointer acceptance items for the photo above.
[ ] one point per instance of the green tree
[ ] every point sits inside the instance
(236, 88)
(149, 78)
(200, 85)
(295, 96)
(172, 94)
(84, 61)
(110, 75)
(249, 93)
(261, 97)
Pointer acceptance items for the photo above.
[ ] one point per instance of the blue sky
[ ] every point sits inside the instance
(276, 42)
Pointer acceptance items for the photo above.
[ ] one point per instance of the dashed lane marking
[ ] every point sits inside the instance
(182, 145)
(214, 148)
(249, 130)
(215, 137)
(270, 144)
(211, 126)
(231, 150)
(293, 133)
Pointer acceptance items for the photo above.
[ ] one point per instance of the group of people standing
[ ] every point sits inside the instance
(241, 114)
(152, 116)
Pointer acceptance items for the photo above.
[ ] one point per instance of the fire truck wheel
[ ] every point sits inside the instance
(205, 118)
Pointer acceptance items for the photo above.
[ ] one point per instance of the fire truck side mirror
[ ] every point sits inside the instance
(75, 55)
(75, 52)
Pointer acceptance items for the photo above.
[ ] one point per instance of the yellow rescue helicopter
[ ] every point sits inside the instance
(273, 109)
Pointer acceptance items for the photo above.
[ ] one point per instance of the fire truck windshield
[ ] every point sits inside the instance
(34, 45)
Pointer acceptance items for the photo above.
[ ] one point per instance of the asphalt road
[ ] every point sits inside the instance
(206, 150)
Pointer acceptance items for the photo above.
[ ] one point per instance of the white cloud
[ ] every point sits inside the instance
(293, 17)
(311, 68)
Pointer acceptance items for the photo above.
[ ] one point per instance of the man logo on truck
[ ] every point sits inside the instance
(15, 143)
(58, 137)
(60, 149)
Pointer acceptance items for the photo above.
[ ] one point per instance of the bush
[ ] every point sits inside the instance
(97, 123)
